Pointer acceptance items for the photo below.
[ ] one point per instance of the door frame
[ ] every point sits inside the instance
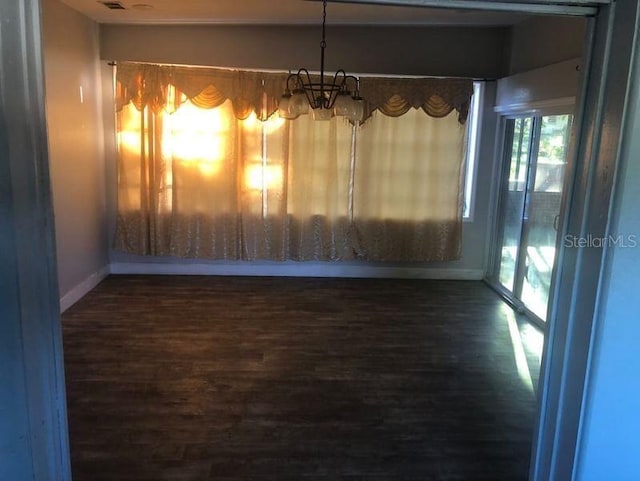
(504, 134)
(33, 437)
(593, 158)
(573, 8)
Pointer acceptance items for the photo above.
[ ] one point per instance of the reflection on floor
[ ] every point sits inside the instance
(196, 378)
(527, 341)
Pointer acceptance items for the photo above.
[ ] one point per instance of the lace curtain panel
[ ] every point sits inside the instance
(206, 169)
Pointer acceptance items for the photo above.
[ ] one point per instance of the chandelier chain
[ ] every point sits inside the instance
(323, 42)
(325, 97)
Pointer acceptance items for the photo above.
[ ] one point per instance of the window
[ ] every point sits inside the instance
(215, 176)
(473, 146)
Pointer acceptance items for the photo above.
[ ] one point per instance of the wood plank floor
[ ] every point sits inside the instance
(214, 378)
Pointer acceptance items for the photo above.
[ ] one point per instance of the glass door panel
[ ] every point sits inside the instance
(543, 211)
(531, 193)
(513, 200)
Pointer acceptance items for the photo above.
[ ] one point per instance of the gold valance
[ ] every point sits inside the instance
(148, 85)
(438, 97)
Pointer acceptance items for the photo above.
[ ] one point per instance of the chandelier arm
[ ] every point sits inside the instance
(299, 77)
(288, 84)
(308, 87)
(336, 88)
(356, 81)
(342, 79)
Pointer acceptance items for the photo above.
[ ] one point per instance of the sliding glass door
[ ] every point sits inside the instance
(529, 208)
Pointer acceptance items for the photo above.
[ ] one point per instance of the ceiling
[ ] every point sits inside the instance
(287, 12)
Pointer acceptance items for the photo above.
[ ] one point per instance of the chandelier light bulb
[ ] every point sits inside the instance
(298, 104)
(284, 107)
(344, 104)
(357, 112)
(322, 114)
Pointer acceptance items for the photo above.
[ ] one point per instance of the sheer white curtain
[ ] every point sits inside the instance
(178, 182)
(264, 163)
(408, 190)
(318, 199)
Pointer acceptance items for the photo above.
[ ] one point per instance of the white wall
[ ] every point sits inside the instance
(74, 120)
(544, 63)
(478, 52)
(545, 40)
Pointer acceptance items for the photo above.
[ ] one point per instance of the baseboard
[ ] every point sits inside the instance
(296, 270)
(79, 291)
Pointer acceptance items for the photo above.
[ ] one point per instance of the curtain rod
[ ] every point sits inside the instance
(114, 63)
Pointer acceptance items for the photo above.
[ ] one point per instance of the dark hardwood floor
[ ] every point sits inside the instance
(214, 378)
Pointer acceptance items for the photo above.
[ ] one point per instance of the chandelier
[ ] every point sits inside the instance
(325, 97)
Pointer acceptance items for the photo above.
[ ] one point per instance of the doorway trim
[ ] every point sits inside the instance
(593, 161)
(575, 8)
(592, 164)
(33, 439)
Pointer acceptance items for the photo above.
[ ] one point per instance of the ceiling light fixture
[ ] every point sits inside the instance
(325, 97)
